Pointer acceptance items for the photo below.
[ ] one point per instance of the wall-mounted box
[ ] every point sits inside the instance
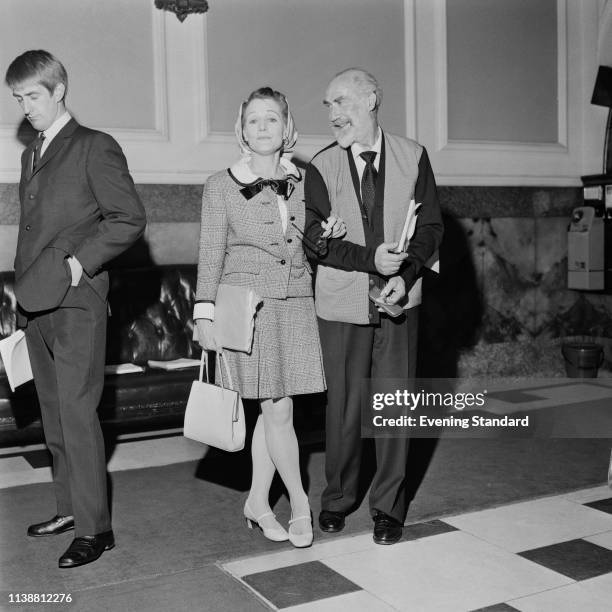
(585, 250)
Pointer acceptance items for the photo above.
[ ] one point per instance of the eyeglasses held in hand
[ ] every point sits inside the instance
(319, 247)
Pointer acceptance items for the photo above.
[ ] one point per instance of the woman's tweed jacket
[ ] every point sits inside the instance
(242, 242)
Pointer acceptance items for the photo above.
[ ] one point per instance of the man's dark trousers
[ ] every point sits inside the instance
(352, 353)
(67, 353)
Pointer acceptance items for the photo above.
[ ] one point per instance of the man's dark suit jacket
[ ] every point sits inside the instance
(79, 201)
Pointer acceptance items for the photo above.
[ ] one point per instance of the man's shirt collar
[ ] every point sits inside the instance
(357, 149)
(51, 132)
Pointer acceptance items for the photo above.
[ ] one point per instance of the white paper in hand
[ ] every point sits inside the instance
(14, 352)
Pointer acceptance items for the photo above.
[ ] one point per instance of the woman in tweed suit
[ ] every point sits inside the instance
(252, 218)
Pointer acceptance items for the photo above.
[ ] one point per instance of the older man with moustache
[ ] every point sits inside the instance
(367, 177)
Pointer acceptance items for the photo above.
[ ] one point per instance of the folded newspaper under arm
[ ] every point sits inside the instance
(409, 227)
(14, 352)
(433, 263)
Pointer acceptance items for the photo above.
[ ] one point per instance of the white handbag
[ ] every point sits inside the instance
(214, 414)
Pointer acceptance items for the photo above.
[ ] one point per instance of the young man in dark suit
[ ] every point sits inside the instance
(79, 209)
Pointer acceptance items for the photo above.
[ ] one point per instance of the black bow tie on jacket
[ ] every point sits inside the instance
(282, 187)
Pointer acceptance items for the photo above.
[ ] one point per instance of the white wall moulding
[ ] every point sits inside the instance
(160, 90)
(297, 47)
(604, 40)
(410, 67)
(505, 72)
(195, 84)
(169, 91)
(112, 56)
(117, 69)
(225, 71)
(507, 162)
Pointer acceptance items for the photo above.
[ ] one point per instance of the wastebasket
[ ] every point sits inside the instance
(582, 359)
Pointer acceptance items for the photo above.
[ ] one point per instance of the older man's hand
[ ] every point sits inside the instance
(386, 262)
(394, 290)
(333, 227)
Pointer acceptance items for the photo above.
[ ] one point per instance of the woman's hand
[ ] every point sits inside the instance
(206, 335)
(334, 227)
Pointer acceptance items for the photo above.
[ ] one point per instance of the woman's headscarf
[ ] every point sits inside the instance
(290, 134)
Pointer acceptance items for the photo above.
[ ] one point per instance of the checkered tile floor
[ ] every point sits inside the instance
(551, 554)
(548, 554)
(536, 394)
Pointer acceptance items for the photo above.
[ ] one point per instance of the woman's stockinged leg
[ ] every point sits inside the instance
(263, 466)
(283, 450)
(258, 503)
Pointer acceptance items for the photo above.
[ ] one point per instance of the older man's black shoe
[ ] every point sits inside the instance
(387, 530)
(330, 521)
(58, 524)
(86, 549)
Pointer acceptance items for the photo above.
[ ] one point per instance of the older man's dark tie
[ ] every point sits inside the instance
(368, 181)
(37, 148)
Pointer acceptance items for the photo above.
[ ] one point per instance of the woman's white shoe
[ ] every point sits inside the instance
(276, 533)
(301, 540)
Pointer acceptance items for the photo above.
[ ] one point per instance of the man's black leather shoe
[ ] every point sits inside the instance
(58, 524)
(387, 530)
(87, 549)
(331, 521)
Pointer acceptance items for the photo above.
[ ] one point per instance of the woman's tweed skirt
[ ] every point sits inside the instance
(286, 356)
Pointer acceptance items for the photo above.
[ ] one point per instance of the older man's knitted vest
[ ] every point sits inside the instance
(342, 295)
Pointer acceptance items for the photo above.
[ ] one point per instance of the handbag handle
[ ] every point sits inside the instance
(222, 360)
(203, 362)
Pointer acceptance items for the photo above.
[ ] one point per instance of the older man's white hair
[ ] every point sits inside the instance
(364, 81)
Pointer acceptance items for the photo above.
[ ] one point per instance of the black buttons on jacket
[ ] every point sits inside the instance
(291, 218)
(289, 240)
(282, 262)
(28, 228)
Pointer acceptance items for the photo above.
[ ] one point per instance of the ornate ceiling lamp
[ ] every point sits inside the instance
(182, 8)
